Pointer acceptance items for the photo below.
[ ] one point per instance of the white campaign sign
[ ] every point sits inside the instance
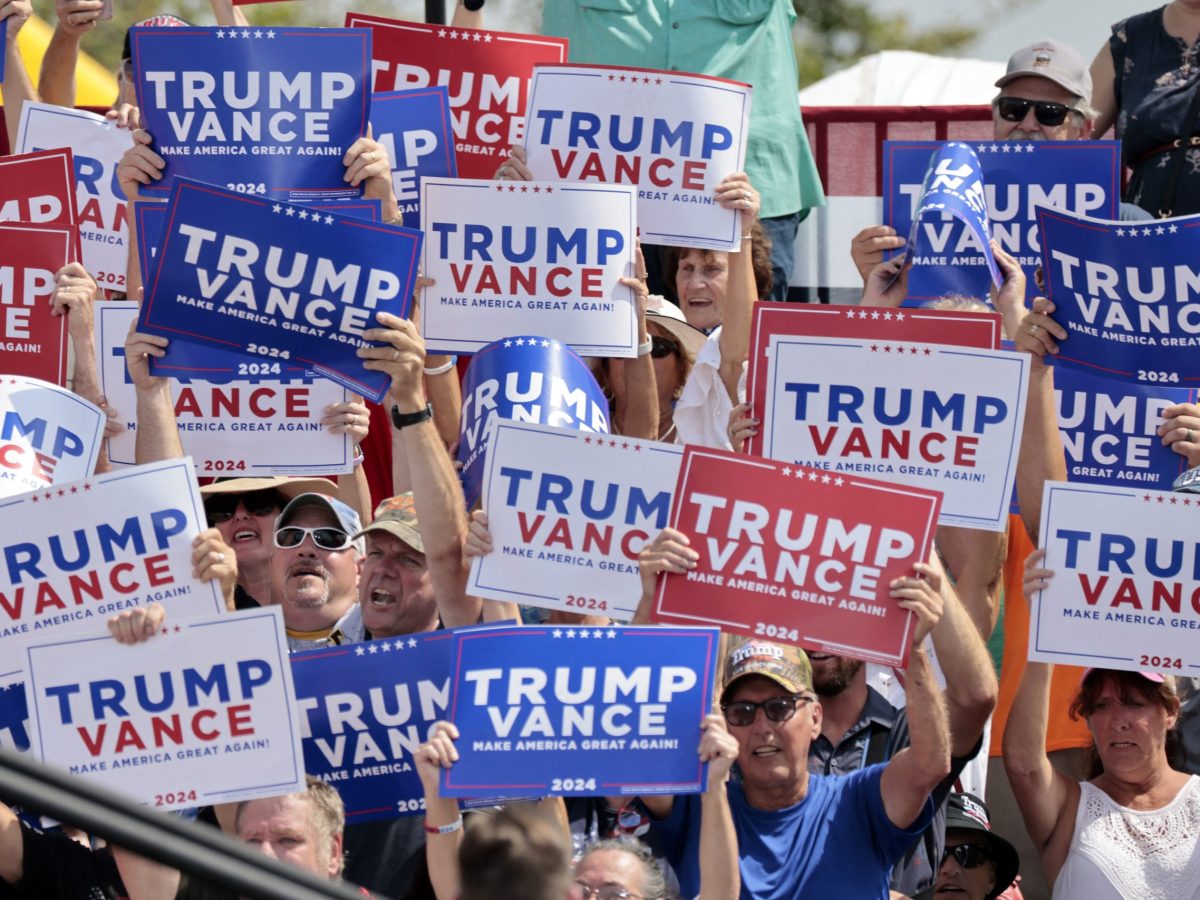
(673, 135)
(97, 145)
(943, 418)
(512, 258)
(569, 511)
(265, 425)
(203, 712)
(48, 435)
(1126, 589)
(73, 555)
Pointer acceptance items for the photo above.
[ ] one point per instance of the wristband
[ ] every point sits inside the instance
(403, 420)
(644, 349)
(445, 829)
(444, 368)
(358, 455)
(748, 236)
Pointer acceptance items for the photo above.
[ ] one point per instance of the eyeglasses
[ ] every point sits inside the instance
(661, 347)
(222, 507)
(969, 856)
(1014, 109)
(777, 709)
(607, 892)
(325, 538)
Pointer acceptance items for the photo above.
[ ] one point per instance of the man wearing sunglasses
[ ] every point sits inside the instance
(977, 863)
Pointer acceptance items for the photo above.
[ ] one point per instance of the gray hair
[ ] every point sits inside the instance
(654, 883)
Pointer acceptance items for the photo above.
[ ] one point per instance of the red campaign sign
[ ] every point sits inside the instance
(796, 555)
(33, 342)
(486, 72)
(924, 326)
(38, 187)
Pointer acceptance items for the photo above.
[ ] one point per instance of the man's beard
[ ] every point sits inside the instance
(834, 679)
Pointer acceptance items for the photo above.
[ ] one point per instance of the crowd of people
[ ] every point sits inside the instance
(827, 776)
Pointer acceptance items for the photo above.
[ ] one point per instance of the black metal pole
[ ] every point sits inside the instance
(196, 849)
(435, 12)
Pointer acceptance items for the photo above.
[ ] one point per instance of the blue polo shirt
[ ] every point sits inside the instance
(836, 842)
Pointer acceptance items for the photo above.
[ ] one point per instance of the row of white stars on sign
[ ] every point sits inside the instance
(813, 476)
(584, 633)
(245, 33)
(303, 213)
(1146, 231)
(1006, 147)
(521, 342)
(382, 647)
(875, 314)
(471, 35)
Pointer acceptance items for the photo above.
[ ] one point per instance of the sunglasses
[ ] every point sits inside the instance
(1014, 109)
(661, 347)
(607, 892)
(222, 507)
(325, 538)
(968, 856)
(778, 709)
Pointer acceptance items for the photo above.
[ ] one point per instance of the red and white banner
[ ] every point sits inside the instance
(795, 555)
(32, 341)
(487, 73)
(38, 187)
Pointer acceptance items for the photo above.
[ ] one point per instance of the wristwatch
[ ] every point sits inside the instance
(403, 420)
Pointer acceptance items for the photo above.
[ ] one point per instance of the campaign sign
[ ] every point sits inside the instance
(14, 715)
(953, 327)
(527, 379)
(48, 435)
(580, 711)
(486, 74)
(202, 713)
(516, 257)
(234, 272)
(414, 127)
(1127, 293)
(1018, 176)
(943, 418)
(244, 417)
(96, 146)
(364, 710)
(262, 111)
(34, 342)
(38, 187)
(1126, 589)
(1110, 430)
(795, 555)
(89, 549)
(673, 135)
(569, 511)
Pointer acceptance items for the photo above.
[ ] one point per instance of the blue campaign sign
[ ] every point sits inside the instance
(1109, 430)
(268, 111)
(277, 281)
(365, 709)
(951, 188)
(1128, 294)
(528, 379)
(580, 711)
(415, 128)
(1079, 176)
(14, 717)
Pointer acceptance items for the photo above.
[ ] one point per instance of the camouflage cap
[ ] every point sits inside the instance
(787, 666)
(397, 516)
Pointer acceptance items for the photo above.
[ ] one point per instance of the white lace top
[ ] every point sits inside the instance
(1125, 853)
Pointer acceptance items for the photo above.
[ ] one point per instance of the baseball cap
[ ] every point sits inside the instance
(289, 487)
(787, 666)
(1155, 677)
(967, 812)
(397, 516)
(160, 21)
(1059, 62)
(346, 517)
(1188, 482)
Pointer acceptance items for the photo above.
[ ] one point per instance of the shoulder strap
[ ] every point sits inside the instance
(1182, 144)
(877, 741)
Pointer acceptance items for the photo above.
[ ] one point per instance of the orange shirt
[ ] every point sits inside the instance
(1062, 732)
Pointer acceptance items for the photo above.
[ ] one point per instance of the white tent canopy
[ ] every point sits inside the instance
(905, 78)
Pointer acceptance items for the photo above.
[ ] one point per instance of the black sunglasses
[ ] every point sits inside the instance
(1014, 109)
(968, 856)
(661, 347)
(778, 709)
(221, 507)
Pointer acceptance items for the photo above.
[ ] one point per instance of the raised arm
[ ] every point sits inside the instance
(640, 412)
(76, 18)
(736, 192)
(916, 770)
(139, 165)
(468, 18)
(157, 431)
(437, 493)
(1044, 794)
(228, 14)
(441, 848)
(12, 846)
(17, 86)
(719, 875)
(1104, 91)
